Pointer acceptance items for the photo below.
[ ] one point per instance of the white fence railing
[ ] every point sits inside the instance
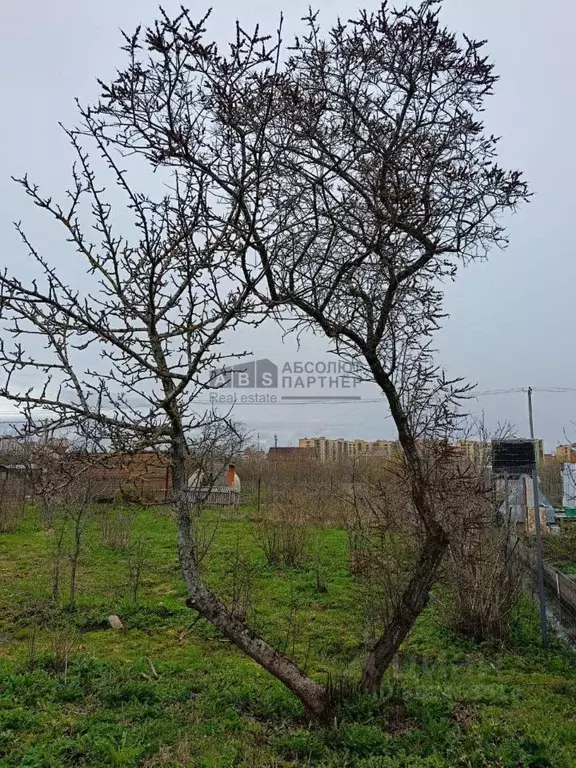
(218, 496)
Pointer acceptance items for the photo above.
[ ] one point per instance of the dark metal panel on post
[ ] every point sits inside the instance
(517, 457)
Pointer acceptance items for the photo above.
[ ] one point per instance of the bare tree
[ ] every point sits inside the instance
(13, 485)
(49, 470)
(57, 555)
(128, 353)
(68, 495)
(376, 181)
(77, 509)
(137, 560)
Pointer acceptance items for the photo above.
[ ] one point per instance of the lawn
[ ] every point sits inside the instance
(170, 691)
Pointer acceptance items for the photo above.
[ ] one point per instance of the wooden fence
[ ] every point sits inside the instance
(560, 585)
(563, 587)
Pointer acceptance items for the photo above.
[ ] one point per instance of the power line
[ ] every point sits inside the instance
(303, 402)
(274, 403)
(516, 390)
(498, 392)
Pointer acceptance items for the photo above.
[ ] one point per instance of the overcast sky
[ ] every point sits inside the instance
(511, 319)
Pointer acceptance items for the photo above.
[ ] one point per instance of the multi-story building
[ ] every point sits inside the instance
(475, 451)
(338, 449)
(566, 454)
(390, 449)
(478, 451)
(317, 444)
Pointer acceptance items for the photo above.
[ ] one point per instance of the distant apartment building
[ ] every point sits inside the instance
(479, 451)
(324, 448)
(390, 449)
(474, 451)
(338, 449)
(566, 454)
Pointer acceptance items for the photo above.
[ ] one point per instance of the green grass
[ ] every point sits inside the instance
(568, 568)
(560, 549)
(453, 704)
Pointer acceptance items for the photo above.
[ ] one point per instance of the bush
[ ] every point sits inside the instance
(561, 549)
(283, 543)
(116, 525)
(484, 576)
(11, 514)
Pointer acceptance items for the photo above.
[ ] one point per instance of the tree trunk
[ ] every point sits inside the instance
(416, 595)
(412, 603)
(313, 696)
(73, 569)
(75, 556)
(56, 578)
(47, 512)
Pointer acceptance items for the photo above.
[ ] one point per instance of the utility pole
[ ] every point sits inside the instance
(537, 528)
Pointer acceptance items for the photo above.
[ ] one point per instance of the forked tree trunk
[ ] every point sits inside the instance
(314, 697)
(412, 603)
(417, 593)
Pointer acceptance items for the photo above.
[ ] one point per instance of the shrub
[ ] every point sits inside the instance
(283, 543)
(484, 575)
(116, 525)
